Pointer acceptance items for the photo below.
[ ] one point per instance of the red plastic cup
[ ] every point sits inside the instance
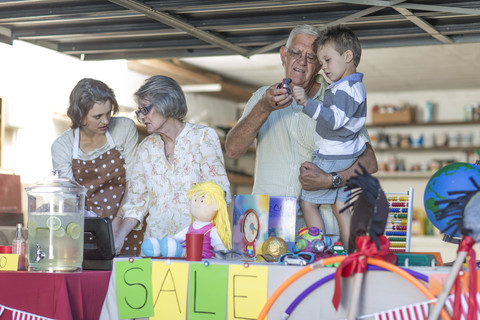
(5, 249)
(194, 246)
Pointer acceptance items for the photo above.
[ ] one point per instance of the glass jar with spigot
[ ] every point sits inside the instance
(55, 224)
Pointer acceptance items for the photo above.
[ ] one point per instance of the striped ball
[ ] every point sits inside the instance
(170, 247)
(151, 247)
(302, 244)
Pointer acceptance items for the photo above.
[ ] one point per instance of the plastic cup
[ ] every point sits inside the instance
(194, 246)
(5, 249)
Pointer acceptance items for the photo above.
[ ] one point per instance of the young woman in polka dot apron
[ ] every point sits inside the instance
(97, 153)
(104, 178)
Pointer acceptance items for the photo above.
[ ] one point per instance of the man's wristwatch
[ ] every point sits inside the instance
(336, 180)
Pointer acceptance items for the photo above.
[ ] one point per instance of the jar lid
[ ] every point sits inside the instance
(57, 183)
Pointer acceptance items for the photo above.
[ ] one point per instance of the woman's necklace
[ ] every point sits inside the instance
(170, 148)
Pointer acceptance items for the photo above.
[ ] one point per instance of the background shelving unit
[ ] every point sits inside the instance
(461, 150)
(425, 124)
(423, 156)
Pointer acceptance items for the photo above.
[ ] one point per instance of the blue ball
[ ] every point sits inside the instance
(170, 247)
(151, 247)
(452, 177)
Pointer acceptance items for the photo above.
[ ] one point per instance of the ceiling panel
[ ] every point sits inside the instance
(132, 29)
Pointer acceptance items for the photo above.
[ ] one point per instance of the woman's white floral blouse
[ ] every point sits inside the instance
(160, 188)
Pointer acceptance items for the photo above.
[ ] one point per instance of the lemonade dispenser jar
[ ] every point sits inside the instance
(55, 224)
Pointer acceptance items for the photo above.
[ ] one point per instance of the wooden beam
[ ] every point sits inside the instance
(187, 74)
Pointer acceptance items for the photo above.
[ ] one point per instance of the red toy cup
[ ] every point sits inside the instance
(194, 246)
(5, 249)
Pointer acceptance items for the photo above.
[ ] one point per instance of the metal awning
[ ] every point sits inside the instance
(132, 29)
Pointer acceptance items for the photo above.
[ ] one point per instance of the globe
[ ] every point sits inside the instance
(452, 177)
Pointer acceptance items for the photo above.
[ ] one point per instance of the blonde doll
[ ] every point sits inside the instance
(209, 217)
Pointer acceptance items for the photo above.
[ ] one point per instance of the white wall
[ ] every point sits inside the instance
(35, 83)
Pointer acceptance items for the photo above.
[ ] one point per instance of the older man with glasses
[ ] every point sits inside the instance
(285, 135)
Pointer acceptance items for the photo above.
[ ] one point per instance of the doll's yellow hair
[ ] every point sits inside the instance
(213, 193)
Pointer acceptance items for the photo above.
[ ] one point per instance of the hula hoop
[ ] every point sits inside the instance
(331, 276)
(305, 293)
(327, 261)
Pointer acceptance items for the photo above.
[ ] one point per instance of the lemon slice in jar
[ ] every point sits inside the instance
(54, 223)
(32, 228)
(74, 230)
(59, 233)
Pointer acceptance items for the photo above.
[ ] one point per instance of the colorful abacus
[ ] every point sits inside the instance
(399, 224)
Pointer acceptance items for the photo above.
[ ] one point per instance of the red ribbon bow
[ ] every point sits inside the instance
(467, 245)
(357, 261)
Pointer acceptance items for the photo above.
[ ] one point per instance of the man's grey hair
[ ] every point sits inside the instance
(302, 29)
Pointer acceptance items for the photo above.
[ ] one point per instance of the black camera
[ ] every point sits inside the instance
(285, 84)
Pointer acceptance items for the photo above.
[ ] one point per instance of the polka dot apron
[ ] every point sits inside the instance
(104, 178)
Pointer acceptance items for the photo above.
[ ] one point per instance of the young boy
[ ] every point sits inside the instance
(339, 119)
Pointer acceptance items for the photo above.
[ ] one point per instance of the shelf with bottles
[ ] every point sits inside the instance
(424, 124)
(430, 139)
(466, 149)
(398, 165)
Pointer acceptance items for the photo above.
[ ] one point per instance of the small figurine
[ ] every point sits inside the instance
(209, 216)
(338, 249)
(312, 240)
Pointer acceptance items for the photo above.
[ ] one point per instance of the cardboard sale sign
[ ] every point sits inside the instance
(194, 291)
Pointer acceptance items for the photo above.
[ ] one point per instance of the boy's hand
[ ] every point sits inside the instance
(300, 95)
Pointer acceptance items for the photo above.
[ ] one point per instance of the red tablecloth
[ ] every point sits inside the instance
(61, 296)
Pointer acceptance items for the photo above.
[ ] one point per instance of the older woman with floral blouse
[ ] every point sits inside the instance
(168, 162)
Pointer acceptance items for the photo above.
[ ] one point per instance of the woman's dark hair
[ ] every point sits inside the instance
(86, 93)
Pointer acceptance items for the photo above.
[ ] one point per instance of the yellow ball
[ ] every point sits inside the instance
(273, 248)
